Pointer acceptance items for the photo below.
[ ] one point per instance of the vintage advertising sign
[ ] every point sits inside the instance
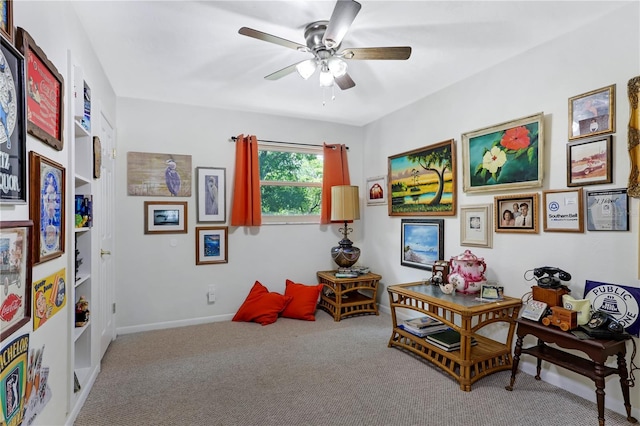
(38, 392)
(13, 380)
(43, 100)
(49, 297)
(621, 302)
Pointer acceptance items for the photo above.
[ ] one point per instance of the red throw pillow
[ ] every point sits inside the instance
(304, 301)
(261, 306)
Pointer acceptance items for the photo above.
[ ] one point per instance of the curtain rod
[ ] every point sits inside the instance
(234, 138)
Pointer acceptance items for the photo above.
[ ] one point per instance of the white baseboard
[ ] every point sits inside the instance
(173, 324)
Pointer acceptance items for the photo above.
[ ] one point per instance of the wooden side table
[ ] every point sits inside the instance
(343, 297)
(594, 368)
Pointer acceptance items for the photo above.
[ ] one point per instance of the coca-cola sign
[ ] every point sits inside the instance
(10, 306)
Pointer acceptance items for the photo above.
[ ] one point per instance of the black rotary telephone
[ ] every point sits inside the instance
(603, 325)
(550, 277)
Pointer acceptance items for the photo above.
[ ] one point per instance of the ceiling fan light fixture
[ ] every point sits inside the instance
(326, 78)
(306, 68)
(337, 66)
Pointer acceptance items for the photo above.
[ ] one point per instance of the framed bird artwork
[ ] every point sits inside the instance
(158, 175)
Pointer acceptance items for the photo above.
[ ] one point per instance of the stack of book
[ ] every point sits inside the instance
(423, 326)
(352, 272)
(449, 340)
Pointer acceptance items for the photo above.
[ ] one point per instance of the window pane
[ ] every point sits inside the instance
(291, 200)
(290, 166)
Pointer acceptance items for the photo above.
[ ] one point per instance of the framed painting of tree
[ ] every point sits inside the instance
(422, 182)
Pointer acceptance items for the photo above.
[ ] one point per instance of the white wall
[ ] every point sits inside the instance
(56, 29)
(603, 53)
(159, 285)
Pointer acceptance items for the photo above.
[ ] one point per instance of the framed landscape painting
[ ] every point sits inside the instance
(422, 182)
(422, 242)
(504, 156)
(211, 245)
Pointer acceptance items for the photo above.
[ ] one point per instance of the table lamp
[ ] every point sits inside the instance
(345, 206)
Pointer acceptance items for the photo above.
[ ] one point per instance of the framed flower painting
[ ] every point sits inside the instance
(504, 156)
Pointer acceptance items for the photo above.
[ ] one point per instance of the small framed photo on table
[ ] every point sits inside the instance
(476, 228)
(211, 244)
(517, 213)
(608, 210)
(165, 217)
(563, 210)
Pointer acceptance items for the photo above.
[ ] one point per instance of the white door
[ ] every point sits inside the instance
(106, 224)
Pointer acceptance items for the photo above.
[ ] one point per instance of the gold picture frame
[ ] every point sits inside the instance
(504, 203)
(592, 113)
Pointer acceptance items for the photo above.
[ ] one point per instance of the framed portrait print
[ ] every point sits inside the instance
(517, 213)
(376, 190)
(476, 225)
(589, 162)
(13, 166)
(47, 207)
(212, 194)
(608, 210)
(592, 113)
(211, 245)
(6, 19)
(165, 217)
(422, 242)
(15, 275)
(422, 182)
(563, 210)
(45, 93)
(504, 156)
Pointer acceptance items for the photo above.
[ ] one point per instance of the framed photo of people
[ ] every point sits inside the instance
(517, 213)
(592, 113)
(47, 207)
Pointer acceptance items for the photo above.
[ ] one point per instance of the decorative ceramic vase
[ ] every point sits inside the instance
(467, 271)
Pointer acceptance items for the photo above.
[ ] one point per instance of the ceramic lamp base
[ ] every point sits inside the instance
(345, 255)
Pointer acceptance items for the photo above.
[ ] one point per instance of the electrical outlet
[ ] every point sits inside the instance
(211, 295)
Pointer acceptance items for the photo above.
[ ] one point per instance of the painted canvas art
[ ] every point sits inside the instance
(160, 175)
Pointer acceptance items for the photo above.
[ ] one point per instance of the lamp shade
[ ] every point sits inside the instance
(345, 203)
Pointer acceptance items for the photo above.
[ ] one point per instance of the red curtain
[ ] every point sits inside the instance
(246, 210)
(335, 172)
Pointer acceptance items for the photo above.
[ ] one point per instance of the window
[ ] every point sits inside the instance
(290, 183)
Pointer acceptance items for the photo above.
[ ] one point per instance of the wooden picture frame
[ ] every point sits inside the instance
(563, 210)
(45, 117)
(6, 19)
(97, 157)
(13, 140)
(592, 113)
(162, 217)
(377, 190)
(47, 207)
(212, 194)
(508, 155)
(421, 242)
(608, 210)
(422, 182)
(211, 245)
(502, 203)
(476, 225)
(590, 162)
(16, 238)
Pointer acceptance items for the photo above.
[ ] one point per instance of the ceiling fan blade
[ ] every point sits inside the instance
(344, 82)
(282, 73)
(343, 15)
(398, 52)
(249, 32)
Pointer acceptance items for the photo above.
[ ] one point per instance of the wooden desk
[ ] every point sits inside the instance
(466, 315)
(342, 297)
(594, 368)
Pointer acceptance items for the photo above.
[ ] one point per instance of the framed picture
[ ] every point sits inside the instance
(211, 245)
(504, 156)
(212, 194)
(589, 162)
(517, 213)
(476, 227)
(97, 157)
(158, 175)
(422, 182)
(47, 207)
(6, 19)
(165, 217)
(15, 275)
(592, 113)
(45, 93)
(13, 139)
(608, 210)
(376, 190)
(633, 141)
(563, 210)
(422, 242)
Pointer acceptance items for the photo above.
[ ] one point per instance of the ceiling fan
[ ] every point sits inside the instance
(323, 39)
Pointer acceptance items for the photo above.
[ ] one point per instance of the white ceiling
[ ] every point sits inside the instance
(190, 52)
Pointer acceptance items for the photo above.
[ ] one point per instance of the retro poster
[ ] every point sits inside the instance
(13, 380)
(49, 297)
(38, 392)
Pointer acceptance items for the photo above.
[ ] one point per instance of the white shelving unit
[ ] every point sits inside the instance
(84, 359)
